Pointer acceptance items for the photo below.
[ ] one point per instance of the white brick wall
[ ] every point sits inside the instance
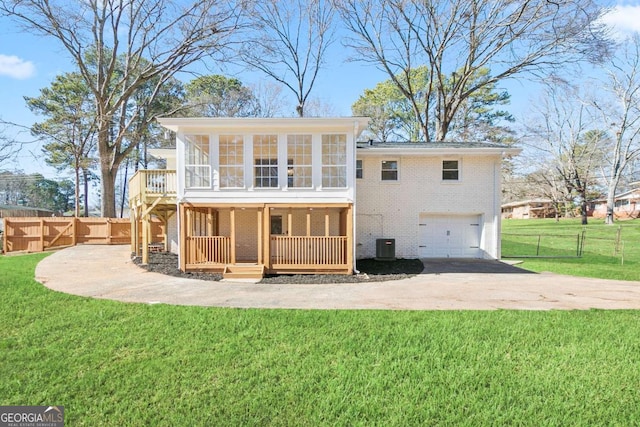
(391, 209)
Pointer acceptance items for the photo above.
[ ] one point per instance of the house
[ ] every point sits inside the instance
(299, 195)
(626, 205)
(525, 209)
(12, 211)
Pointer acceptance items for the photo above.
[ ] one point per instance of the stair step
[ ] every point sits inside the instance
(243, 272)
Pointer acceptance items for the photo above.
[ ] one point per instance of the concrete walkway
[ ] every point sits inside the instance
(107, 272)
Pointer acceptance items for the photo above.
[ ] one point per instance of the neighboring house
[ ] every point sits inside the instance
(12, 211)
(626, 206)
(299, 195)
(525, 209)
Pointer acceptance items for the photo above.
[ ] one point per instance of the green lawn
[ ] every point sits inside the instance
(599, 259)
(117, 364)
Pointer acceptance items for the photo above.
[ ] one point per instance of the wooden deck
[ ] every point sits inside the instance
(152, 197)
(314, 237)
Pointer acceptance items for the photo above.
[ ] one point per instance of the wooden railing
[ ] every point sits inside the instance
(154, 183)
(208, 250)
(309, 250)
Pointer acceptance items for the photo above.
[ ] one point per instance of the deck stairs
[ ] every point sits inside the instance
(243, 271)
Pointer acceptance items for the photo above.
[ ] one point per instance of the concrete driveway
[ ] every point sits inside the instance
(107, 272)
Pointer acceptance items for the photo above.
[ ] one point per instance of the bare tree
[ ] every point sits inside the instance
(8, 147)
(289, 43)
(130, 43)
(621, 113)
(560, 137)
(457, 38)
(269, 98)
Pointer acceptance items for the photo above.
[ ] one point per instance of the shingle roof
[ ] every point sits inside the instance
(434, 145)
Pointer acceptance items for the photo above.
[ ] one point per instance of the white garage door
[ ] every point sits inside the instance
(451, 236)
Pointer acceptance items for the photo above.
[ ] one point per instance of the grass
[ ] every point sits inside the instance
(599, 259)
(114, 364)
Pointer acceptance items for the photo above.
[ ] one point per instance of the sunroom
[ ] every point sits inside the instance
(265, 195)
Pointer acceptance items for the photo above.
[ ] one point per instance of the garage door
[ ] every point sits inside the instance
(451, 236)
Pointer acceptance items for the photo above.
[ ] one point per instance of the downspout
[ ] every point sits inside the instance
(354, 244)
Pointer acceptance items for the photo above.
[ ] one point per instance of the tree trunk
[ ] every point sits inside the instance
(609, 219)
(583, 208)
(85, 174)
(124, 188)
(108, 186)
(76, 197)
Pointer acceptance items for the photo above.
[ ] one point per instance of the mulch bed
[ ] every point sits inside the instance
(371, 270)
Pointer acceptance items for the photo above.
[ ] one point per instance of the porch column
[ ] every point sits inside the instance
(308, 222)
(182, 225)
(266, 230)
(134, 230)
(232, 225)
(210, 222)
(260, 233)
(145, 235)
(326, 222)
(349, 230)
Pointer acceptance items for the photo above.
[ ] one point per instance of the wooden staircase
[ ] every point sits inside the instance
(243, 271)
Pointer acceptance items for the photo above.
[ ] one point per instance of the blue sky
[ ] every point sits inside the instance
(29, 63)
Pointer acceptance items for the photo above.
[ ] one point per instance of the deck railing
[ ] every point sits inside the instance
(208, 250)
(153, 182)
(309, 250)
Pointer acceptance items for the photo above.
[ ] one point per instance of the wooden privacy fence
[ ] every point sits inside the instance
(40, 234)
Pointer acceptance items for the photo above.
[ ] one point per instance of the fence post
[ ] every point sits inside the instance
(4, 236)
(74, 230)
(41, 235)
(538, 247)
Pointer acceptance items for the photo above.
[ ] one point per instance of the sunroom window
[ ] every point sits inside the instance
(231, 161)
(197, 165)
(299, 161)
(334, 161)
(265, 158)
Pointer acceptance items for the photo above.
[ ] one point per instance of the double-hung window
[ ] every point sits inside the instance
(299, 161)
(389, 170)
(334, 161)
(197, 166)
(231, 161)
(265, 158)
(450, 170)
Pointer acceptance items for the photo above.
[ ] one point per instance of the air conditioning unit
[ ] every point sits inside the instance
(385, 249)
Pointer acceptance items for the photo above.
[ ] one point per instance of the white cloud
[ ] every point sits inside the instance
(15, 67)
(623, 19)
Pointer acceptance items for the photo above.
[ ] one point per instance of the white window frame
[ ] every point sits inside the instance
(267, 163)
(397, 169)
(333, 160)
(458, 170)
(294, 141)
(236, 165)
(198, 173)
